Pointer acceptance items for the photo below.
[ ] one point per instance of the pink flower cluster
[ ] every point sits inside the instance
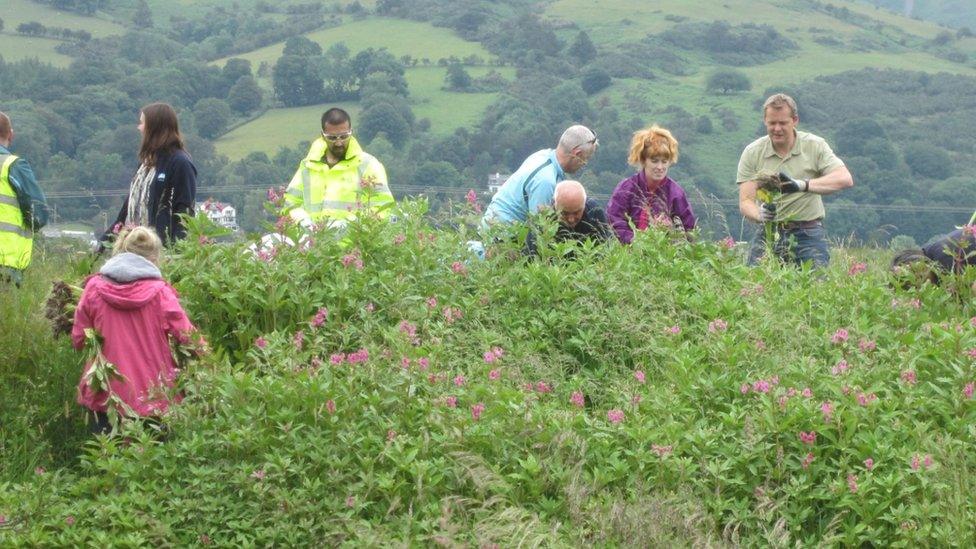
(840, 336)
(673, 330)
(477, 410)
(840, 368)
(495, 374)
(639, 375)
(353, 259)
(866, 398)
(808, 438)
(577, 399)
(459, 380)
(320, 316)
(260, 342)
(542, 387)
(967, 391)
(857, 268)
(450, 402)
(299, 339)
(869, 464)
(918, 461)
(431, 302)
(337, 358)
(717, 325)
(330, 406)
(761, 385)
(852, 483)
(493, 354)
(410, 331)
(866, 345)
(258, 474)
(459, 268)
(662, 451)
(827, 409)
(728, 243)
(908, 376)
(615, 416)
(399, 239)
(451, 314)
(807, 460)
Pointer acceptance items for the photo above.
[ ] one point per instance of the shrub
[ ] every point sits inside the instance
(381, 387)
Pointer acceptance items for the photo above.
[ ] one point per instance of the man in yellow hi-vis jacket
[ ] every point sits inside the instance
(337, 178)
(23, 208)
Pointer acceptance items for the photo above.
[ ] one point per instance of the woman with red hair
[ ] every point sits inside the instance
(649, 196)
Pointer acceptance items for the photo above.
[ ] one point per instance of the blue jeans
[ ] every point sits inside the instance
(795, 246)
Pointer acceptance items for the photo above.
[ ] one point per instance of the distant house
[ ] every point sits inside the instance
(220, 213)
(495, 181)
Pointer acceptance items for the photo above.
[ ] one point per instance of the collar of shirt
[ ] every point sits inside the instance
(771, 151)
(643, 186)
(560, 174)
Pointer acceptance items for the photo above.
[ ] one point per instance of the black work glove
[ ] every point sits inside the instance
(767, 212)
(790, 185)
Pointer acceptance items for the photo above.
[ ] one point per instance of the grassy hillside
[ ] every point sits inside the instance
(14, 47)
(287, 126)
(418, 40)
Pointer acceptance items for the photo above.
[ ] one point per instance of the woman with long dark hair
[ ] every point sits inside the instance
(165, 185)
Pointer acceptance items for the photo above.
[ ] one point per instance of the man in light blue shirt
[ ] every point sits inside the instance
(531, 187)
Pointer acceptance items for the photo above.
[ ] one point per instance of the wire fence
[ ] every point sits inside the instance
(404, 191)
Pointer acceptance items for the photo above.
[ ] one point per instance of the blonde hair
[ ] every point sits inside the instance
(653, 142)
(778, 101)
(140, 241)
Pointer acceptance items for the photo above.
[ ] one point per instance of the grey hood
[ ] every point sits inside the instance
(127, 267)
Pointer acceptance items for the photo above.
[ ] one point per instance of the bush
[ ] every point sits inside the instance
(594, 80)
(381, 387)
(726, 81)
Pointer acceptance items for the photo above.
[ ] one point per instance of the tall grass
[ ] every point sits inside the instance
(40, 424)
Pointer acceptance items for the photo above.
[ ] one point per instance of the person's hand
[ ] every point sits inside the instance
(790, 185)
(767, 212)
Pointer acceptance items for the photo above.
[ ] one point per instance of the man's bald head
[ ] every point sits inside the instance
(570, 201)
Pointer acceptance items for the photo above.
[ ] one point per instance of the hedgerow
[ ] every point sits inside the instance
(382, 386)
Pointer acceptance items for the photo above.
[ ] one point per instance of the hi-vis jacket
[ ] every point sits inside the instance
(318, 192)
(16, 230)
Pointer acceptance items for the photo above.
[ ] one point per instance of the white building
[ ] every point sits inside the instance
(495, 181)
(220, 213)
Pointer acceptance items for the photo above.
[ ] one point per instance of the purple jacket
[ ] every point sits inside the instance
(631, 203)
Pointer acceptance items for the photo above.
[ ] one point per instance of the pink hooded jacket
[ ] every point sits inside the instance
(136, 312)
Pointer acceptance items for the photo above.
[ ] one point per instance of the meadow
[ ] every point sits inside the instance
(380, 387)
(288, 126)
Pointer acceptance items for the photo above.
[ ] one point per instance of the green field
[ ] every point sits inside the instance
(276, 128)
(287, 126)
(400, 37)
(15, 47)
(16, 12)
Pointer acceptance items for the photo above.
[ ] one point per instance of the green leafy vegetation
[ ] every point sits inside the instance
(381, 387)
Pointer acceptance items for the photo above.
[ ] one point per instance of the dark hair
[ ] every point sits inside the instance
(334, 117)
(4, 125)
(161, 132)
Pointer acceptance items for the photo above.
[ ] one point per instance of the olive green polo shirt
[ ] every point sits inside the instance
(810, 158)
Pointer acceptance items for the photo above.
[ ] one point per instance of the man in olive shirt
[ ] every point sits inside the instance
(808, 168)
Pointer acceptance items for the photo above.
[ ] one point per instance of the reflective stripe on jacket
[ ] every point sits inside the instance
(16, 239)
(318, 192)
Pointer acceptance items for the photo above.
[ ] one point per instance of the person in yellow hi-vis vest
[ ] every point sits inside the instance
(23, 208)
(337, 178)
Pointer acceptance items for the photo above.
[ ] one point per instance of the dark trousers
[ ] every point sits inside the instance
(795, 246)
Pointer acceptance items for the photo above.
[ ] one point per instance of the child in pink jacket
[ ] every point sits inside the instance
(136, 312)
